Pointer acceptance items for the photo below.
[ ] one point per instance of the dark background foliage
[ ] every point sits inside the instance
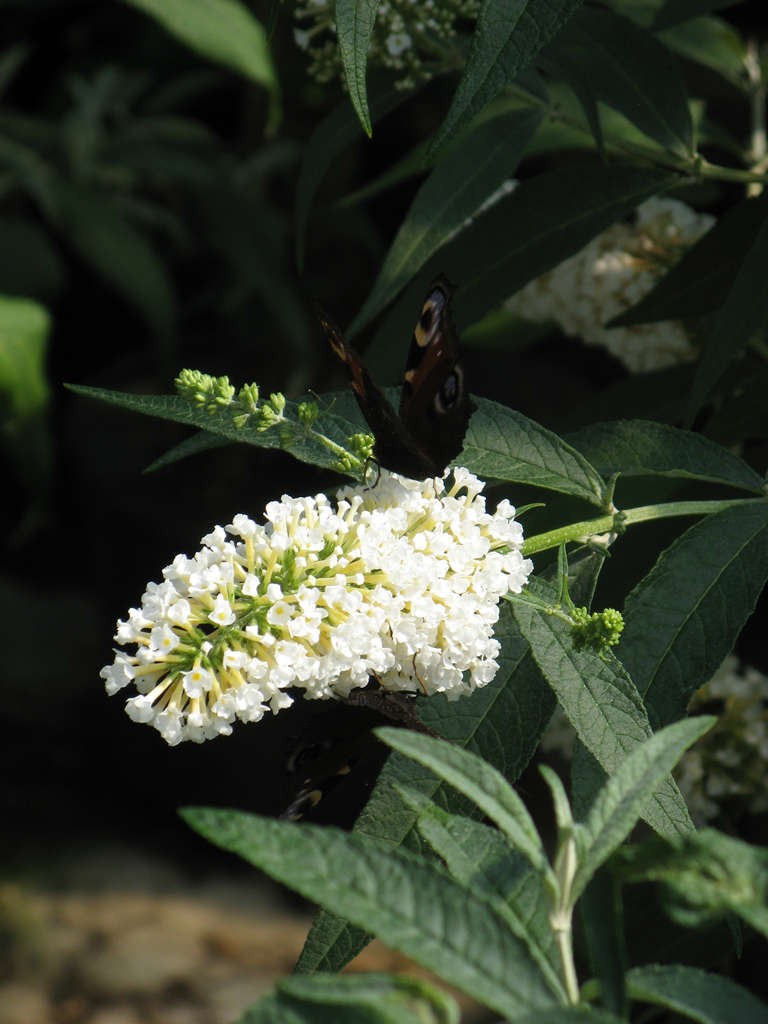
(146, 207)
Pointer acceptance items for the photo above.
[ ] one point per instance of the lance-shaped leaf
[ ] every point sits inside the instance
(501, 722)
(479, 857)
(644, 448)
(479, 781)
(683, 618)
(696, 994)
(502, 444)
(354, 25)
(473, 170)
(713, 43)
(543, 221)
(508, 36)
(743, 314)
(601, 702)
(619, 803)
(303, 443)
(411, 905)
(224, 31)
(627, 68)
(360, 998)
(699, 282)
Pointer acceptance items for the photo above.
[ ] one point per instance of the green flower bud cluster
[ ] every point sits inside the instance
(414, 40)
(210, 393)
(215, 395)
(596, 631)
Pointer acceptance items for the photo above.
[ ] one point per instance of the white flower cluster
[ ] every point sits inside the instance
(399, 583)
(410, 38)
(612, 273)
(726, 773)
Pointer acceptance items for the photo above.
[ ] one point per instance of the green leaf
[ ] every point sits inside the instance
(411, 905)
(601, 702)
(618, 805)
(483, 784)
(674, 11)
(330, 138)
(502, 444)
(502, 723)
(712, 43)
(708, 873)
(25, 435)
(508, 36)
(302, 444)
(683, 618)
(544, 221)
(354, 999)
(700, 281)
(570, 1015)
(24, 330)
(471, 172)
(742, 315)
(560, 801)
(587, 779)
(479, 857)
(354, 25)
(601, 912)
(626, 68)
(584, 567)
(644, 448)
(224, 31)
(696, 994)
(120, 254)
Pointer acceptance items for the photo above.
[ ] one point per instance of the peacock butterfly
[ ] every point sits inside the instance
(428, 432)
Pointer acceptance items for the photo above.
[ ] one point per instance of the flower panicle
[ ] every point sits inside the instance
(612, 273)
(399, 582)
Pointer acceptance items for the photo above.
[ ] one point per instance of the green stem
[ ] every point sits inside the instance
(707, 170)
(561, 920)
(693, 167)
(617, 521)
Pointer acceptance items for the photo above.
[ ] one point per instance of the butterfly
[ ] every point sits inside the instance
(427, 433)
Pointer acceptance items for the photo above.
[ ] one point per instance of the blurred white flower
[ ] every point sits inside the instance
(400, 583)
(726, 773)
(612, 273)
(413, 40)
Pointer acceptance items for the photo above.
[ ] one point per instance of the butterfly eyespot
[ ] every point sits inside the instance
(449, 392)
(427, 432)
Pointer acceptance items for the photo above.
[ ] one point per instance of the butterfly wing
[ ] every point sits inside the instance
(435, 409)
(394, 447)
